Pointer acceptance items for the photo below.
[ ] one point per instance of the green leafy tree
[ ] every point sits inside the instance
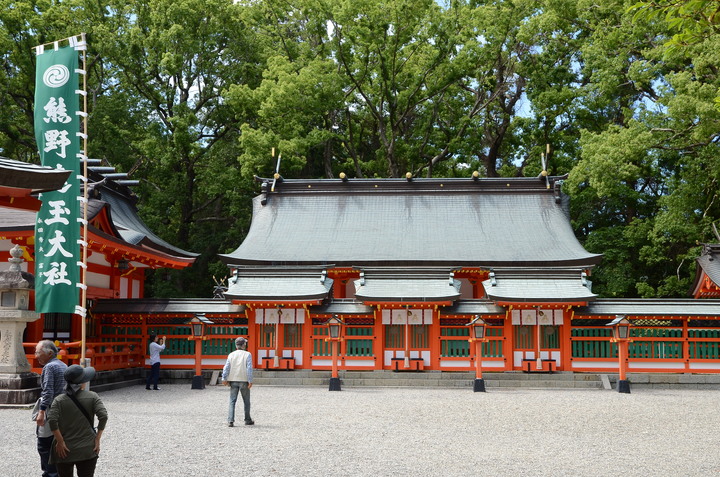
(172, 61)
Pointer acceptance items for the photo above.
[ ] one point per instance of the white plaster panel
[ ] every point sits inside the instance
(361, 362)
(300, 316)
(595, 364)
(516, 317)
(704, 366)
(259, 316)
(386, 317)
(545, 317)
(98, 258)
(426, 357)
(123, 287)
(493, 364)
(97, 280)
(529, 317)
(298, 356)
(656, 365)
(399, 317)
(175, 361)
(415, 317)
(287, 316)
(559, 317)
(136, 289)
(271, 316)
(321, 362)
(454, 364)
(211, 361)
(427, 317)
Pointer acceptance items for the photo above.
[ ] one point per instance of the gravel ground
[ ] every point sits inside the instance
(309, 431)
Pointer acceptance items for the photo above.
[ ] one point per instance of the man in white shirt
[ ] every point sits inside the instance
(237, 373)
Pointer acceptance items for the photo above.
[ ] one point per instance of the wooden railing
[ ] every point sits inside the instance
(103, 356)
(661, 349)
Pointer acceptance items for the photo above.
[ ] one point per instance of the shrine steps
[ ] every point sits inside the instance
(108, 380)
(430, 379)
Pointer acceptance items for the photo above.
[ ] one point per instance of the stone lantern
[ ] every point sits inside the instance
(18, 385)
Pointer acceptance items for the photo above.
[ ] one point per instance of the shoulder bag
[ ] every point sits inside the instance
(85, 413)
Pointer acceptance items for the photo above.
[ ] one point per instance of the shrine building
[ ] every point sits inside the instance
(407, 264)
(404, 264)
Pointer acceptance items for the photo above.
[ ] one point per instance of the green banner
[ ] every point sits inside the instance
(57, 229)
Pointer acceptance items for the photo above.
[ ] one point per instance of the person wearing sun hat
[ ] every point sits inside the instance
(71, 416)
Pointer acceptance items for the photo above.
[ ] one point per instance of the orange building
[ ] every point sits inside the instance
(406, 265)
(121, 247)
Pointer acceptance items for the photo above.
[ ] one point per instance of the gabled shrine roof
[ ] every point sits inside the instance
(540, 285)
(126, 229)
(708, 264)
(131, 227)
(20, 180)
(424, 222)
(406, 286)
(294, 284)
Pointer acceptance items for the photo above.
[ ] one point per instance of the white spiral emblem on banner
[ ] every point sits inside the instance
(56, 76)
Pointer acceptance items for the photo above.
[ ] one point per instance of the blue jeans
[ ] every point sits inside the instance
(244, 390)
(154, 376)
(44, 445)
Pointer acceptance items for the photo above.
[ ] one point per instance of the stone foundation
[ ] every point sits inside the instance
(23, 388)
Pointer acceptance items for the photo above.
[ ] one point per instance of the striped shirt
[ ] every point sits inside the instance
(52, 382)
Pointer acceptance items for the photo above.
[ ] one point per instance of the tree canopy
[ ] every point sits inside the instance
(191, 97)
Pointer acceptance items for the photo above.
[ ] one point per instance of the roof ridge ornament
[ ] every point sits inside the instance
(544, 159)
(277, 175)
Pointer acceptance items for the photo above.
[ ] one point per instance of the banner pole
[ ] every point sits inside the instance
(68, 39)
(83, 272)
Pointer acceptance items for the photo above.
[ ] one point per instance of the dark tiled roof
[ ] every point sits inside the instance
(22, 175)
(650, 307)
(408, 286)
(16, 219)
(132, 229)
(539, 285)
(426, 222)
(166, 306)
(123, 216)
(708, 263)
(342, 307)
(279, 284)
(473, 307)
